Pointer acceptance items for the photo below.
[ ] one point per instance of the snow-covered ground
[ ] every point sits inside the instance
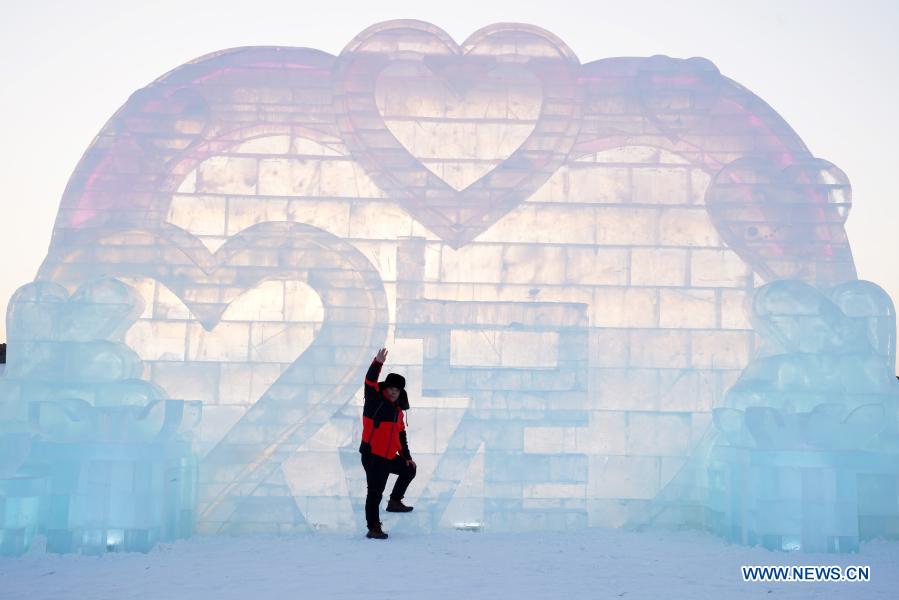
(452, 565)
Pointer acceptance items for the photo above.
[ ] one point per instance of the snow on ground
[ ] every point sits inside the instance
(457, 565)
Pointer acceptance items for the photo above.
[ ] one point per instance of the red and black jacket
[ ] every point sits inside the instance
(383, 422)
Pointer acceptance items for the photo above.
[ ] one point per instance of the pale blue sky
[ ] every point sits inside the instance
(829, 68)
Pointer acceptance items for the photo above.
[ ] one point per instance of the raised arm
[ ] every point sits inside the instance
(374, 371)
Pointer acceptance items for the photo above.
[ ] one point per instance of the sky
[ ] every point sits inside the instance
(828, 67)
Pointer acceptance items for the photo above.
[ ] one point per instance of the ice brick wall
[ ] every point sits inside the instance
(556, 253)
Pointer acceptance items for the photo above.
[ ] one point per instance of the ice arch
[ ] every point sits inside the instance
(558, 254)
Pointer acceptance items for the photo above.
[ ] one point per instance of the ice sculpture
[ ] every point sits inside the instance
(809, 456)
(93, 457)
(557, 255)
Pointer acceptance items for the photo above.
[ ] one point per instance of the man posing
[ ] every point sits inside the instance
(384, 447)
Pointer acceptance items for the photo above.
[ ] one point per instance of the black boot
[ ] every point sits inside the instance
(397, 506)
(376, 533)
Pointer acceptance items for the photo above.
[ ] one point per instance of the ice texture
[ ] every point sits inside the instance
(558, 256)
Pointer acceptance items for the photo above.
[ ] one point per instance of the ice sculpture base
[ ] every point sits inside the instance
(99, 497)
(20, 506)
(813, 501)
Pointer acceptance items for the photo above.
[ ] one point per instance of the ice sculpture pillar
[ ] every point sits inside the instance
(93, 457)
(808, 456)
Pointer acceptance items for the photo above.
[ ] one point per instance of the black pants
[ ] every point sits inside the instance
(377, 470)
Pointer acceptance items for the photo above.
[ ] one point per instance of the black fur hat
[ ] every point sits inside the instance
(399, 382)
(393, 380)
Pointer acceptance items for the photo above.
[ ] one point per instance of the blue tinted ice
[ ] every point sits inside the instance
(94, 457)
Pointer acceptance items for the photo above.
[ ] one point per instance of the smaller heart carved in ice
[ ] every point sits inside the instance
(785, 222)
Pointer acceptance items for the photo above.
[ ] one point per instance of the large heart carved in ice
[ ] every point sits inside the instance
(304, 396)
(459, 178)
